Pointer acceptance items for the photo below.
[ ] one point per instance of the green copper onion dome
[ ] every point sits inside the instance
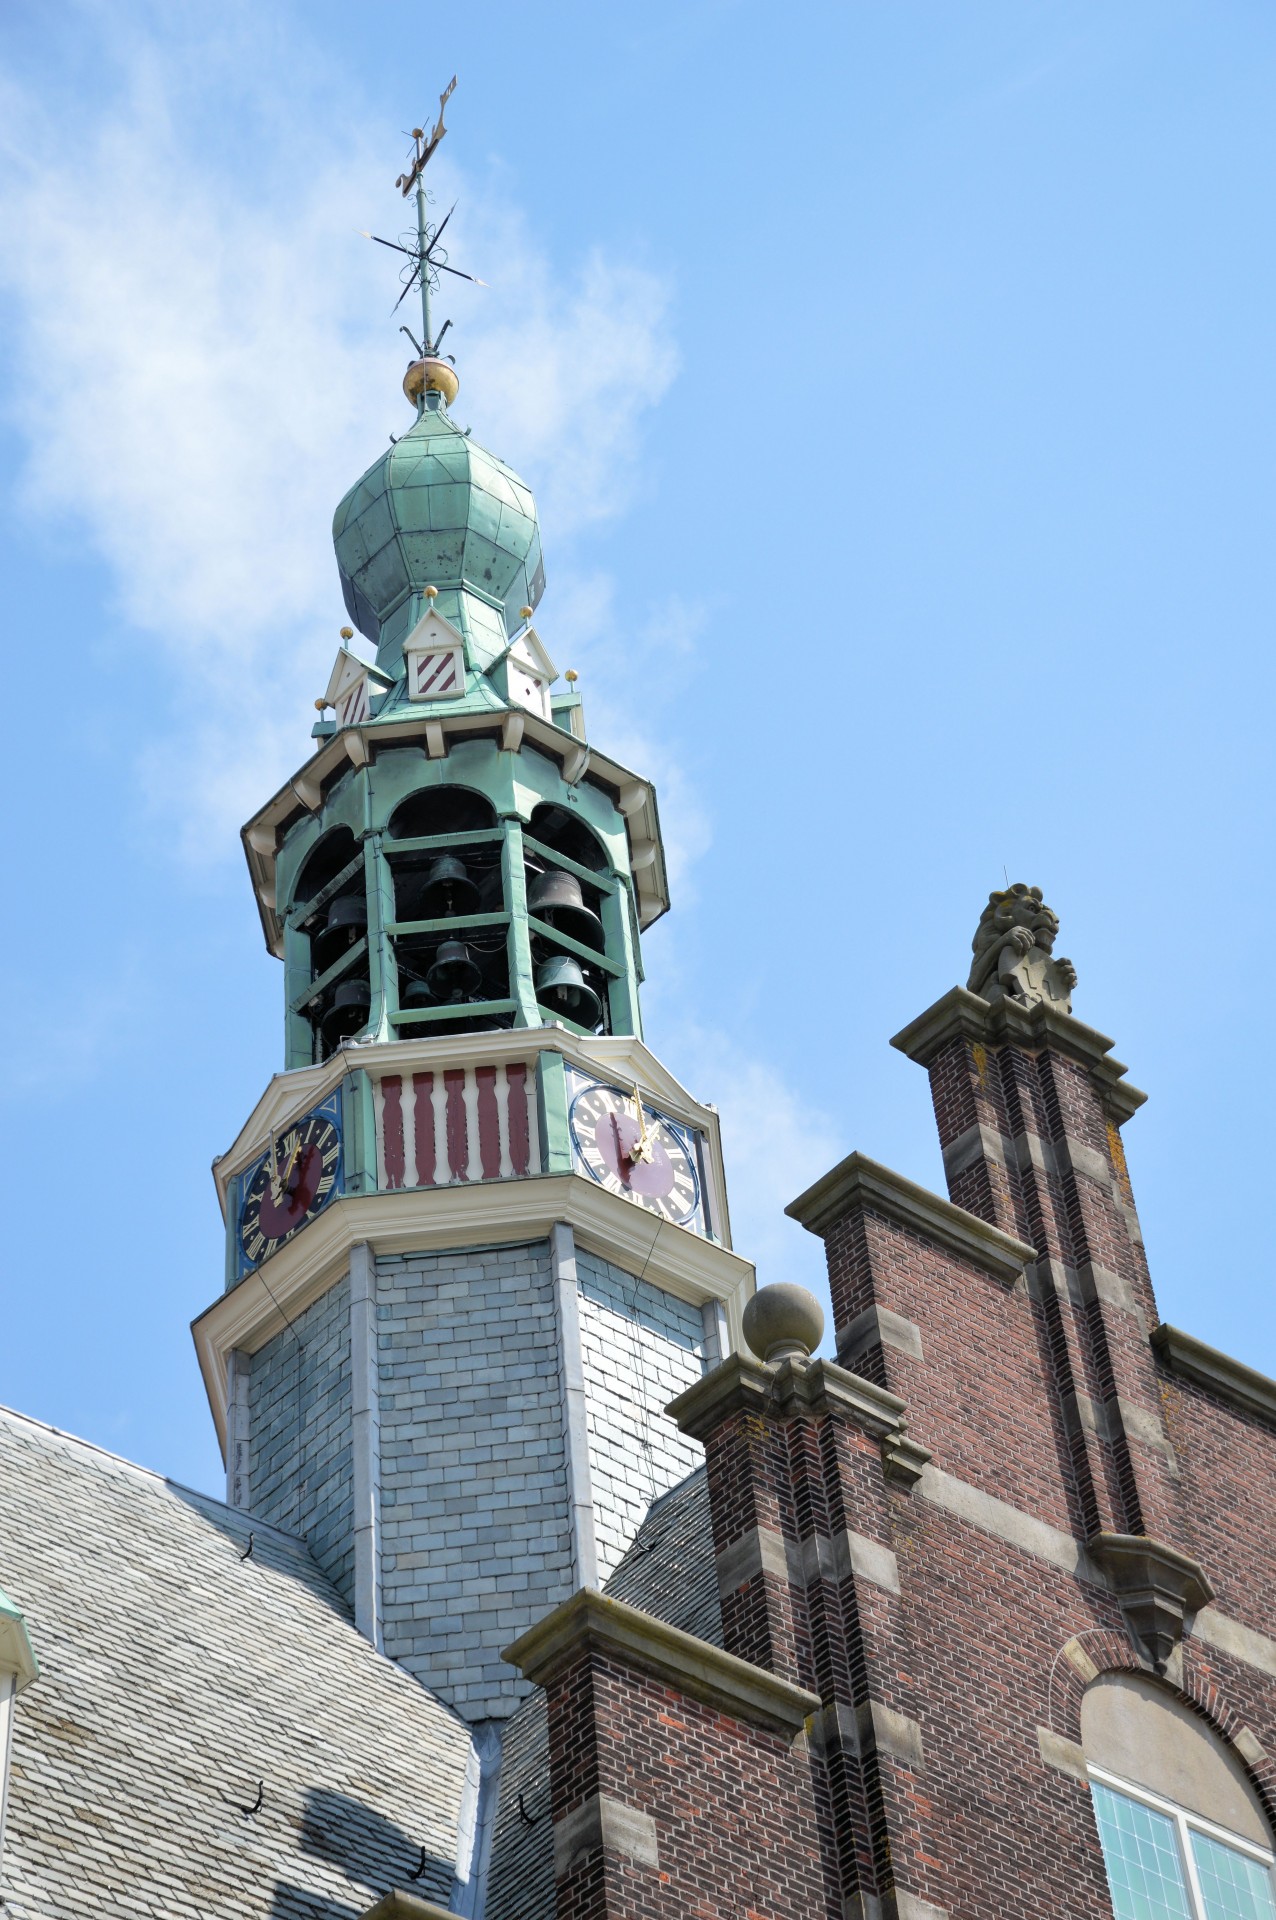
(437, 510)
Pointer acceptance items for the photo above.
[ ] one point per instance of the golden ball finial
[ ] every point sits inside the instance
(527, 612)
(571, 676)
(431, 593)
(320, 705)
(347, 633)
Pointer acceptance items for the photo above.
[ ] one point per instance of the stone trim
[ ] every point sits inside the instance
(580, 1493)
(402, 1905)
(365, 1429)
(878, 1326)
(601, 1821)
(593, 1622)
(860, 1182)
(963, 1015)
(819, 1387)
(819, 1556)
(1230, 1380)
(1065, 1756)
(1156, 1586)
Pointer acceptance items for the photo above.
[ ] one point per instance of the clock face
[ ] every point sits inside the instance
(638, 1153)
(292, 1182)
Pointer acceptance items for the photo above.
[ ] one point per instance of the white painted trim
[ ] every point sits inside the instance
(571, 1368)
(8, 1694)
(365, 1422)
(480, 1213)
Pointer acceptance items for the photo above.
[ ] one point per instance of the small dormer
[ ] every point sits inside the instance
(525, 673)
(351, 687)
(434, 656)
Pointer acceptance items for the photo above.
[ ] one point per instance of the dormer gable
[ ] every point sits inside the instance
(525, 673)
(434, 658)
(351, 686)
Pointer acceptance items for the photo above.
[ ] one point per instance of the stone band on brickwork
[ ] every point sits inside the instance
(858, 1181)
(706, 1673)
(1231, 1380)
(815, 1385)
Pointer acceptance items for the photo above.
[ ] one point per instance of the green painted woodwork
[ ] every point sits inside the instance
(363, 803)
(438, 510)
(551, 1112)
(359, 1133)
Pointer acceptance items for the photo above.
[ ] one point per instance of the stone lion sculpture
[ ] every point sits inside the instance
(1014, 952)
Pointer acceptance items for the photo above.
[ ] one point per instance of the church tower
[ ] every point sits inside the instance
(476, 1233)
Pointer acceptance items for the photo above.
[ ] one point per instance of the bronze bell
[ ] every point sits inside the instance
(560, 984)
(347, 922)
(454, 976)
(556, 898)
(348, 1013)
(448, 889)
(413, 993)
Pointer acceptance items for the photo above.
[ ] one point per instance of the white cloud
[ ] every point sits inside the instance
(202, 361)
(774, 1145)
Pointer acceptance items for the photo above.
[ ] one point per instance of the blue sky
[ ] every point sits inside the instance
(896, 382)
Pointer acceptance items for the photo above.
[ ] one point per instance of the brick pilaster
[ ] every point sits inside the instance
(1029, 1105)
(827, 1452)
(681, 1776)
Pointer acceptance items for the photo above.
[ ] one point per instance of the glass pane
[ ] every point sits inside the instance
(1141, 1854)
(1234, 1887)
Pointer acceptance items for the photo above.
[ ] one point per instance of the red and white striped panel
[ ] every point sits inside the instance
(352, 707)
(436, 675)
(456, 1123)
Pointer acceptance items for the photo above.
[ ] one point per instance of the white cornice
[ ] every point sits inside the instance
(635, 798)
(478, 1213)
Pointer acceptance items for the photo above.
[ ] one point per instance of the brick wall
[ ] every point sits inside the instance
(300, 1434)
(475, 1531)
(640, 1347)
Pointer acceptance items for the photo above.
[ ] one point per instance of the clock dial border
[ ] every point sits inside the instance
(693, 1216)
(330, 1187)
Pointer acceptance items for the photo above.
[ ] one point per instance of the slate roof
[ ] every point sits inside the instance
(176, 1675)
(669, 1572)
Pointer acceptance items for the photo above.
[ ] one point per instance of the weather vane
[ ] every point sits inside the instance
(426, 261)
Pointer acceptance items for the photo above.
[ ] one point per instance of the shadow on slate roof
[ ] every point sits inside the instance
(668, 1572)
(176, 1675)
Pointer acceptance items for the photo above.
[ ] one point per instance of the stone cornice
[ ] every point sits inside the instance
(1157, 1587)
(592, 1621)
(1230, 1380)
(818, 1386)
(402, 1905)
(961, 1014)
(860, 1182)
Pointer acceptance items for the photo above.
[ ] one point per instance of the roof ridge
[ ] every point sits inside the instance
(249, 1519)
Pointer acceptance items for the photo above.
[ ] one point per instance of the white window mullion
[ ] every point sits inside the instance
(1189, 1866)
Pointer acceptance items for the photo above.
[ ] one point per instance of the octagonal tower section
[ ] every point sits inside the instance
(477, 1235)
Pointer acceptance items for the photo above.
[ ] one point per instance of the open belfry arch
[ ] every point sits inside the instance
(562, 1575)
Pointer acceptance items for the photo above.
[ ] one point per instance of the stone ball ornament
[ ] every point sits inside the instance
(783, 1322)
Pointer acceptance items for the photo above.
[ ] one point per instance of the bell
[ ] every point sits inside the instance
(448, 889)
(556, 898)
(347, 1014)
(414, 994)
(454, 976)
(347, 922)
(560, 984)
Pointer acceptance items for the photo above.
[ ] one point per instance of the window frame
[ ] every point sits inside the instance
(1185, 1823)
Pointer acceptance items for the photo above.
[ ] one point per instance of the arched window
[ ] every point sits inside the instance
(450, 928)
(566, 917)
(1183, 1832)
(337, 927)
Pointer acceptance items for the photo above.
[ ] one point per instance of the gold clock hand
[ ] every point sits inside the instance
(276, 1184)
(643, 1147)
